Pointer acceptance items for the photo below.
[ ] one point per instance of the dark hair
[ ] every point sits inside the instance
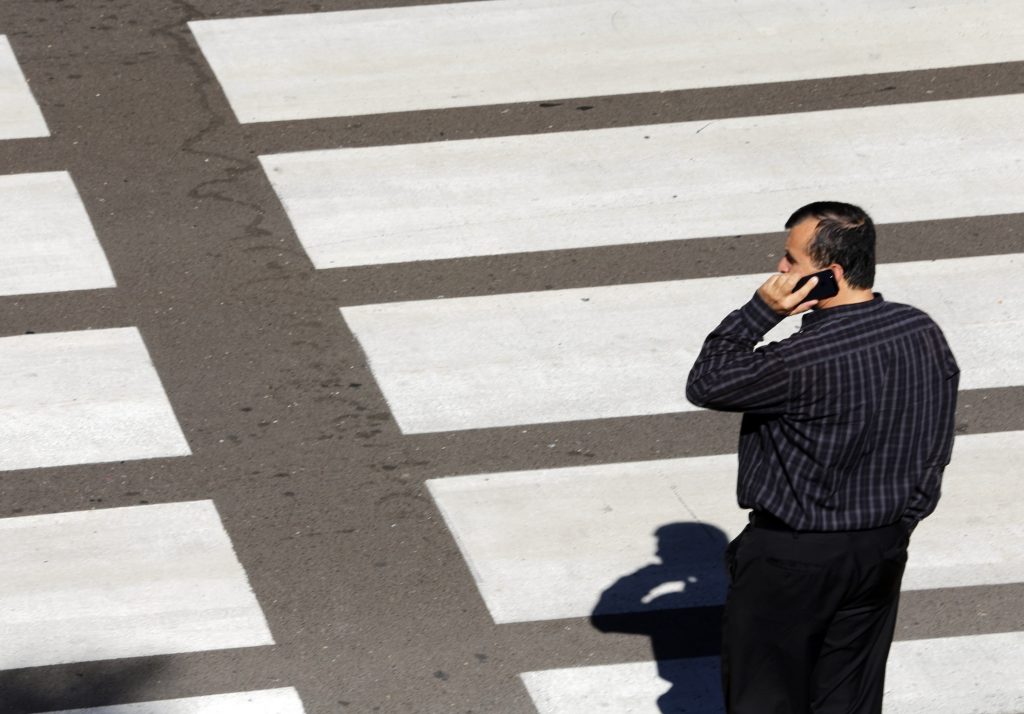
(845, 235)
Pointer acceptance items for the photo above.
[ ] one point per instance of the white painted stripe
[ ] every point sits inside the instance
(546, 544)
(48, 243)
(122, 582)
(625, 350)
(20, 117)
(954, 675)
(408, 58)
(975, 535)
(908, 162)
(267, 701)
(82, 397)
(633, 688)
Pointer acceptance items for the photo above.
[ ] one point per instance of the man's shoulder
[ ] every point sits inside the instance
(858, 330)
(906, 315)
(902, 309)
(919, 325)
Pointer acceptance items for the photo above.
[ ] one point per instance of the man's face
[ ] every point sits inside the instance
(796, 258)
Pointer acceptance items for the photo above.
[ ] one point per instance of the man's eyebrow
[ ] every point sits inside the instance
(789, 257)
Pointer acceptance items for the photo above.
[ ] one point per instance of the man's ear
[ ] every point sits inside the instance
(838, 271)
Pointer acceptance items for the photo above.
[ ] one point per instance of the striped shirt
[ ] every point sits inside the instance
(848, 424)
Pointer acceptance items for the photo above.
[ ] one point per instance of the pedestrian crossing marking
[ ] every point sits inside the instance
(587, 527)
(48, 243)
(590, 540)
(20, 117)
(267, 701)
(738, 176)
(624, 350)
(122, 582)
(392, 225)
(950, 675)
(954, 675)
(476, 53)
(633, 688)
(82, 397)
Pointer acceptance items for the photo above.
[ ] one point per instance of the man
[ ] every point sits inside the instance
(847, 427)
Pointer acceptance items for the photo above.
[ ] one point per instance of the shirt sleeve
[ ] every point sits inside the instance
(730, 375)
(925, 496)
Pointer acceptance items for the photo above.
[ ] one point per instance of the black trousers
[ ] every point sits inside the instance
(809, 619)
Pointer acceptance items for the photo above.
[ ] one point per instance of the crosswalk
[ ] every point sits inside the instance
(48, 242)
(950, 675)
(697, 179)
(268, 701)
(112, 583)
(592, 525)
(613, 351)
(20, 117)
(175, 586)
(552, 543)
(83, 397)
(450, 55)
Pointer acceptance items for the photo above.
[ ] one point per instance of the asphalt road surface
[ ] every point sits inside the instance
(341, 354)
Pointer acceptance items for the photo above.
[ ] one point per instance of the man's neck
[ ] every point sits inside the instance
(847, 297)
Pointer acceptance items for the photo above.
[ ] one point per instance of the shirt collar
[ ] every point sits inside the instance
(815, 316)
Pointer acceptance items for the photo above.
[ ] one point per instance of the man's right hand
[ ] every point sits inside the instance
(777, 292)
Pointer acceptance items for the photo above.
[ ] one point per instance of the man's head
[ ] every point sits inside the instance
(829, 234)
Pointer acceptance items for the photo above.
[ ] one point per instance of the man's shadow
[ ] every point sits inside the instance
(677, 602)
(81, 685)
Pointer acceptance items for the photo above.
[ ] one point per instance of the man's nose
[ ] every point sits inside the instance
(783, 266)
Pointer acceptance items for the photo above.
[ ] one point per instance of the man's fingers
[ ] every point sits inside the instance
(796, 302)
(778, 293)
(807, 287)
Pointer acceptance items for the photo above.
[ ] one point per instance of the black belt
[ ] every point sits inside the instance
(763, 519)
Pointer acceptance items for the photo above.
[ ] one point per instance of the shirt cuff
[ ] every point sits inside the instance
(759, 316)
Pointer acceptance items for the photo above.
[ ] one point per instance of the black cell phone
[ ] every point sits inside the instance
(827, 286)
